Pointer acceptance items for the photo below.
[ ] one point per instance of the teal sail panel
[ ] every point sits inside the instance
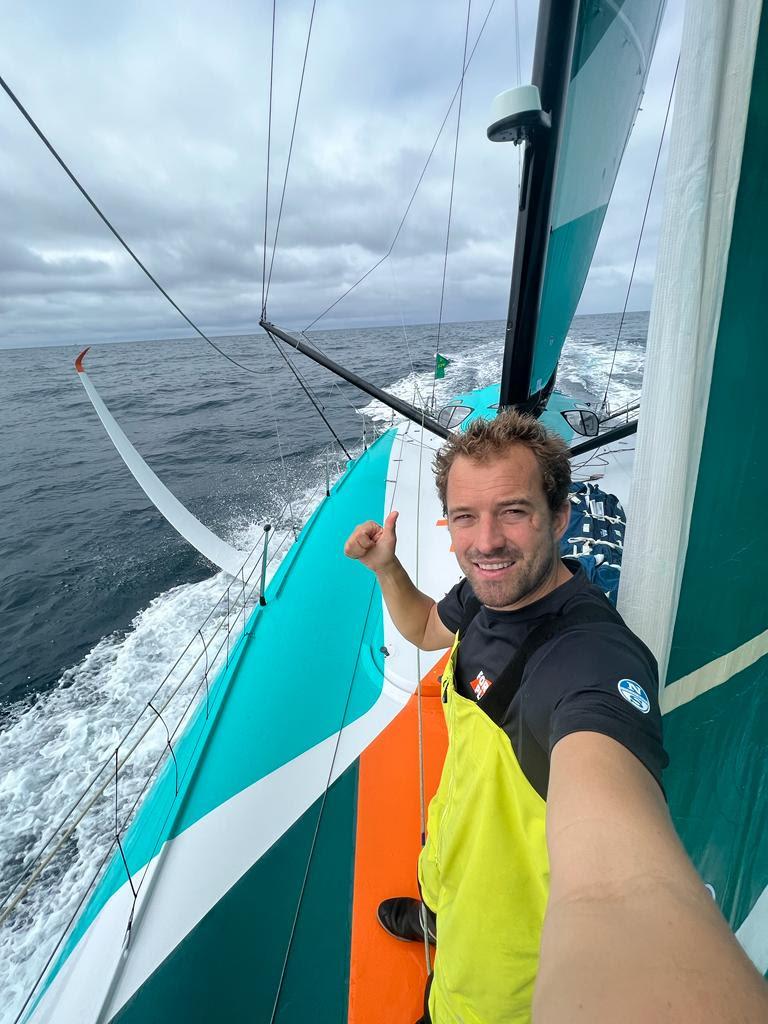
(718, 777)
(693, 578)
(613, 47)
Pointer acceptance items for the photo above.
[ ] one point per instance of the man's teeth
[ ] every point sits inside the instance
(493, 565)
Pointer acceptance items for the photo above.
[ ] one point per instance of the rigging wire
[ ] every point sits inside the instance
(321, 811)
(92, 203)
(418, 183)
(265, 297)
(417, 391)
(288, 489)
(307, 392)
(334, 382)
(603, 404)
(450, 199)
(269, 153)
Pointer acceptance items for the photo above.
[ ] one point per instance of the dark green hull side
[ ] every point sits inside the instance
(229, 968)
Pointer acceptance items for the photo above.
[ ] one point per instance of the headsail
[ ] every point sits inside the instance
(612, 50)
(603, 99)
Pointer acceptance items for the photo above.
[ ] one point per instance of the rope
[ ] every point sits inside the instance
(419, 711)
(288, 163)
(269, 151)
(640, 239)
(450, 199)
(418, 183)
(92, 203)
(306, 391)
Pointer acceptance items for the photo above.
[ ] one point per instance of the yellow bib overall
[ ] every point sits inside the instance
(484, 871)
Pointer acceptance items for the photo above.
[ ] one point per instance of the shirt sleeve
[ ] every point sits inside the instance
(598, 678)
(451, 607)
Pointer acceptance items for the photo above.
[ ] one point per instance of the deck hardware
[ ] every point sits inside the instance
(262, 599)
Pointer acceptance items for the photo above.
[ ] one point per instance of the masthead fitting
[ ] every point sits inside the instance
(516, 114)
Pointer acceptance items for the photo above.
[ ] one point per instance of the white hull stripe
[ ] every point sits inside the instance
(714, 674)
(194, 871)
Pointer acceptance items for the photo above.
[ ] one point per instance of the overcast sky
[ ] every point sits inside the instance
(161, 110)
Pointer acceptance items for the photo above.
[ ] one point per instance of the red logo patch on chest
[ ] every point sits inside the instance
(480, 684)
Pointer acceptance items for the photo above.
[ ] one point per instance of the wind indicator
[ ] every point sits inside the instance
(440, 364)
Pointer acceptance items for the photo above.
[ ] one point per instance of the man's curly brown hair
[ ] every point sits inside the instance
(488, 439)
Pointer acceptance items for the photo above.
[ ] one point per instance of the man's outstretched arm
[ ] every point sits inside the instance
(630, 934)
(413, 613)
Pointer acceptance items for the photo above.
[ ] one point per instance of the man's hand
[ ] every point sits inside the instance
(413, 613)
(374, 545)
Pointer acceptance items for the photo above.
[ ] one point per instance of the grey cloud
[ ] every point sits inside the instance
(162, 112)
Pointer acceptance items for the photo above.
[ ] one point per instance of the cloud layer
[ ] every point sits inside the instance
(162, 113)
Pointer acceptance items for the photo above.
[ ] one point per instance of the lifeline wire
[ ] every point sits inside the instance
(38, 131)
(640, 239)
(130, 813)
(450, 200)
(418, 183)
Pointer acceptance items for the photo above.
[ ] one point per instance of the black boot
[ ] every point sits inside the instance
(402, 918)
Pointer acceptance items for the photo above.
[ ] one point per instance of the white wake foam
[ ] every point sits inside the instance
(53, 747)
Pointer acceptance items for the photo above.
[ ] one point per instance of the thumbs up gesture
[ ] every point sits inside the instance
(374, 545)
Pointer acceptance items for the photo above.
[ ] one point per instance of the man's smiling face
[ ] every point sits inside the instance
(505, 537)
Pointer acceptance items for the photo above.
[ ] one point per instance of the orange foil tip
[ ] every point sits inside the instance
(79, 361)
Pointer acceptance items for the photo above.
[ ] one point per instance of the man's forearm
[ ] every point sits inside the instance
(657, 952)
(409, 608)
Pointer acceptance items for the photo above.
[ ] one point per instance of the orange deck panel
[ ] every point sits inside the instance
(387, 977)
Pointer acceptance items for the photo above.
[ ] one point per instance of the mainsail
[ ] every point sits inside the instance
(694, 570)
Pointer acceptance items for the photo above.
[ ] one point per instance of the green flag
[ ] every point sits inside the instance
(440, 364)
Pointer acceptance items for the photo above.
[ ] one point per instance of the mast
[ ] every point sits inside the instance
(555, 35)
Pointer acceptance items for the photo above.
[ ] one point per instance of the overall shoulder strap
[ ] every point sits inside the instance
(498, 697)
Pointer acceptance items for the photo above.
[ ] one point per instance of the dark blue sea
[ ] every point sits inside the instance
(98, 593)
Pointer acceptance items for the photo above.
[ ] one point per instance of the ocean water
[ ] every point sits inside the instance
(98, 594)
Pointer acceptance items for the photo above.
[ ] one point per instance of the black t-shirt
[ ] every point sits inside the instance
(595, 677)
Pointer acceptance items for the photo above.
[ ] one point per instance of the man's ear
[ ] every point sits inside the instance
(562, 519)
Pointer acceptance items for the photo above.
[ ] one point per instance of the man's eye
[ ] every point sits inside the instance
(513, 512)
(461, 518)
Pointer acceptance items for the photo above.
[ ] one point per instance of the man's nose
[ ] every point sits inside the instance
(490, 536)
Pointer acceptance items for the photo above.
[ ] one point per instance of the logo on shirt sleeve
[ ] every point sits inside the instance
(635, 695)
